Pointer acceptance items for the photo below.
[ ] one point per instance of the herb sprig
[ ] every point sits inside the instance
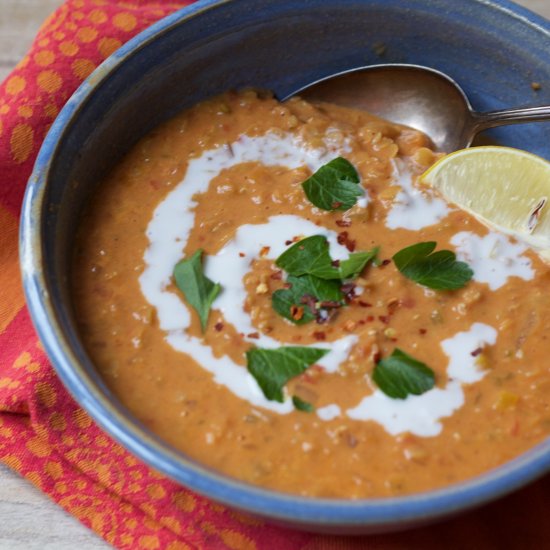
(298, 303)
(400, 375)
(273, 368)
(315, 281)
(199, 291)
(310, 256)
(438, 270)
(335, 186)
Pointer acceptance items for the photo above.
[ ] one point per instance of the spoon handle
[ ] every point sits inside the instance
(482, 121)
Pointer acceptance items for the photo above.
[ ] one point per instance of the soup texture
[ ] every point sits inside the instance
(268, 288)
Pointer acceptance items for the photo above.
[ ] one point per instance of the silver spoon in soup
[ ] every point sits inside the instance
(419, 97)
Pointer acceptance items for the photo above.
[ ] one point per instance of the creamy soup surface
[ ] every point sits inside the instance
(226, 177)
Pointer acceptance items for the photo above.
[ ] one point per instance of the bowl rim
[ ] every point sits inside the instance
(118, 423)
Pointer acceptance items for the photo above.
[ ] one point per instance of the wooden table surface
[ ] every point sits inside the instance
(28, 519)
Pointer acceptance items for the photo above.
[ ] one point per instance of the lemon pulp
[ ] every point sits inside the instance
(505, 188)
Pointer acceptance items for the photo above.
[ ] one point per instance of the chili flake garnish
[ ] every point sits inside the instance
(343, 239)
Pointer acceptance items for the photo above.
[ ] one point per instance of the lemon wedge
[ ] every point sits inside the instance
(506, 189)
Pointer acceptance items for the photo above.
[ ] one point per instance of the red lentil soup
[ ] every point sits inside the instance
(225, 178)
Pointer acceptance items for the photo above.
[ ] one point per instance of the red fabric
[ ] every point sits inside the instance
(47, 438)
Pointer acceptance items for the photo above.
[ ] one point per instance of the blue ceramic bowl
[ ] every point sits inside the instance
(494, 49)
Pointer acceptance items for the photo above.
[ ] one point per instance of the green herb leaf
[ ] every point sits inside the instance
(437, 270)
(199, 291)
(273, 368)
(354, 265)
(302, 405)
(309, 256)
(285, 301)
(335, 186)
(400, 375)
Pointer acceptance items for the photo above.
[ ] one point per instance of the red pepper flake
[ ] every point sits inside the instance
(218, 326)
(287, 285)
(385, 263)
(296, 312)
(265, 251)
(476, 352)
(377, 356)
(336, 204)
(311, 302)
(343, 223)
(364, 304)
(242, 254)
(384, 318)
(288, 243)
(319, 335)
(422, 331)
(277, 275)
(349, 291)
(335, 263)
(323, 311)
(369, 319)
(343, 239)
(255, 335)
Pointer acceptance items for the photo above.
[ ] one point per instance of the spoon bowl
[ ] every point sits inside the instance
(419, 97)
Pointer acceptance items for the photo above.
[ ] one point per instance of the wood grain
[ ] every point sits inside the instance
(28, 519)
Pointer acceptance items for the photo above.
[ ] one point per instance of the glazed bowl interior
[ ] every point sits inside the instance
(495, 50)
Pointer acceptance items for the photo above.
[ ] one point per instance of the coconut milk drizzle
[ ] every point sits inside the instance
(494, 258)
(168, 233)
(413, 208)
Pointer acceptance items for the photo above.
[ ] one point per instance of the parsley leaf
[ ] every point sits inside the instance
(198, 290)
(309, 256)
(273, 368)
(291, 302)
(438, 270)
(401, 375)
(354, 265)
(315, 280)
(335, 186)
(302, 405)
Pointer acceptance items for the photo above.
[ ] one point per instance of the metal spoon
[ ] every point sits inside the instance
(419, 97)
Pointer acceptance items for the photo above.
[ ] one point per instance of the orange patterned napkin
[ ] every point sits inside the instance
(52, 442)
